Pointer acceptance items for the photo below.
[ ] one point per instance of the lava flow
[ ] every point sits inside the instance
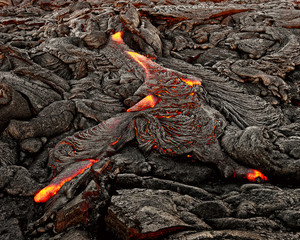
(175, 120)
(46, 193)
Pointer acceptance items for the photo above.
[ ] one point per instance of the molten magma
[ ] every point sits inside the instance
(253, 175)
(47, 192)
(117, 37)
(191, 82)
(147, 102)
(147, 64)
(142, 60)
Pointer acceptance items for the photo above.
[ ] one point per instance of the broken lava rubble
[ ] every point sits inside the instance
(58, 76)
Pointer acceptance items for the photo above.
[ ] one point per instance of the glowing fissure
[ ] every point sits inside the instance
(115, 142)
(70, 144)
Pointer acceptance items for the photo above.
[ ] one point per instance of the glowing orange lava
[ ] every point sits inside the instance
(148, 102)
(254, 174)
(115, 142)
(191, 82)
(117, 37)
(140, 59)
(47, 192)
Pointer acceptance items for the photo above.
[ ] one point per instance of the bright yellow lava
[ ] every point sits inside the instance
(147, 102)
(139, 58)
(117, 37)
(191, 82)
(47, 192)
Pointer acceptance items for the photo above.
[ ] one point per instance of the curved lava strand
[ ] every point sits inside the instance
(68, 174)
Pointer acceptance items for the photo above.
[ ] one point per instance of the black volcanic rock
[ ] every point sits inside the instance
(61, 76)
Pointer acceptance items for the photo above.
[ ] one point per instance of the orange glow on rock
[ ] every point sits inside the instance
(49, 191)
(140, 59)
(252, 175)
(148, 102)
(115, 142)
(191, 82)
(117, 37)
(146, 63)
